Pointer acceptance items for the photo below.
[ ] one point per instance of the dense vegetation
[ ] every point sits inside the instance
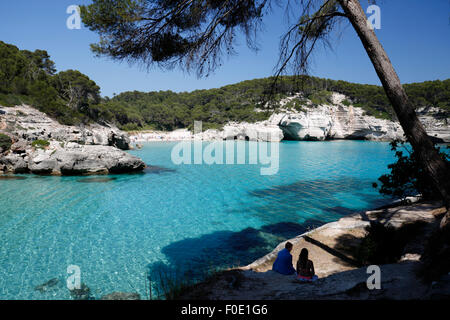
(71, 97)
(30, 78)
(168, 110)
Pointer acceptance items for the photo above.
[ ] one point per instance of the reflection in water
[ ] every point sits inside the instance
(97, 179)
(2, 177)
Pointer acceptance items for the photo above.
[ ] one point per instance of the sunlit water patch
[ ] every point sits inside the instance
(175, 217)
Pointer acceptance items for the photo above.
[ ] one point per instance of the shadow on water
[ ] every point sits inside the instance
(317, 187)
(149, 169)
(323, 198)
(157, 170)
(281, 209)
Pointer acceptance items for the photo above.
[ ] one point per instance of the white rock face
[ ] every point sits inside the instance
(259, 131)
(31, 124)
(94, 149)
(176, 135)
(337, 121)
(435, 122)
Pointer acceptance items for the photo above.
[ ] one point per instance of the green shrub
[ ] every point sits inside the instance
(345, 102)
(5, 142)
(9, 100)
(407, 177)
(40, 144)
(131, 127)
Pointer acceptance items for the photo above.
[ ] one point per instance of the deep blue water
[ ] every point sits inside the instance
(177, 217)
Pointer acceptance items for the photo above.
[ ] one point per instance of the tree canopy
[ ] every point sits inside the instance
(30, 77)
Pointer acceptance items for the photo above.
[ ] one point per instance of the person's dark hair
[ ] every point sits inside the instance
(303, 258)
(288, 245)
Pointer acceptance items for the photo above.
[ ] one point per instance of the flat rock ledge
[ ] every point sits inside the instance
(340, 278)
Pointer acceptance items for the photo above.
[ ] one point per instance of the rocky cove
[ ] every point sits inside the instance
(98, 148)
(41, 145)
(192, 216)
(313, 123)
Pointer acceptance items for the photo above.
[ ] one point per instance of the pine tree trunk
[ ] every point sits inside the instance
(436, 167)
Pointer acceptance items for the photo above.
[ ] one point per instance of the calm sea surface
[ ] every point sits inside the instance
(174, 218)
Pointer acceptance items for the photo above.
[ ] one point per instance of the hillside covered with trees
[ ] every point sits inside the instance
(72, 98)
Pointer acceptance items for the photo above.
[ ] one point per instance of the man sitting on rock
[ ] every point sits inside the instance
(283, 263)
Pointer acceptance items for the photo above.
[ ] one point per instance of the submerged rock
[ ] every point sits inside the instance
(47, 285)
(121, 296)
(96, 180)
(84, 293)
(157, 169)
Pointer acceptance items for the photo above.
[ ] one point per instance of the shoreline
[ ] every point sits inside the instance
(173, 136)
(272, 255)
(137, 137)
(331, 247)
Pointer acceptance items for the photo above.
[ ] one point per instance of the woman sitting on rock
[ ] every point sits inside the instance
(305, 267)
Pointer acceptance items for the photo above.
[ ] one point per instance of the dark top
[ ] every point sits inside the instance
(306, 272)
(283, 263)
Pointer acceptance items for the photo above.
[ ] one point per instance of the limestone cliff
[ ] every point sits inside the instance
(334, 120)
(339, 121)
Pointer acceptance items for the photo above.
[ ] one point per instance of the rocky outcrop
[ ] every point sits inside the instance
(339, 121)
(436, 122)
(260, 131)
(121, 296)
(29, 124)
(335, 121)
(71, 150)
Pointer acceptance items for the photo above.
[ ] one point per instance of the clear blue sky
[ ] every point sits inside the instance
(415, 34)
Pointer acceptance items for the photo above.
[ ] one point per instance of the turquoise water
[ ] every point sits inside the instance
(177, 217)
